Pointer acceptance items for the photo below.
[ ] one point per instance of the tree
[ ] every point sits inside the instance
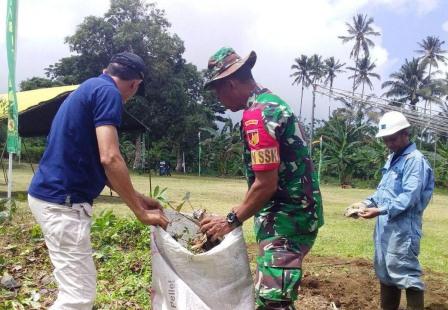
(316, 74)
(331, 68)
(432, 54)
(223, 149)
(174, 92)
(363, 73)
(38, 82)
(359, 32)
(301, 76)
(341, 142)
(409, 84)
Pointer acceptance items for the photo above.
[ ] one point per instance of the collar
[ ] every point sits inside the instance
(394, 156)
(407, 149)
(254, 94)
(107, 77)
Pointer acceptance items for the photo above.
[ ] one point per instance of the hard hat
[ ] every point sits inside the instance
(391, 122)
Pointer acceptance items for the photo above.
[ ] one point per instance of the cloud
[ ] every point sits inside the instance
(42, 27)
(445, 26)
(279, 33)
(421, 7)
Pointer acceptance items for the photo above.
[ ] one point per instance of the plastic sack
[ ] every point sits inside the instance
(217, 279)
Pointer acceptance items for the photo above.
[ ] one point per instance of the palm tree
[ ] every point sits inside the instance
(409, 84)
(316, 74)
(301, 76)
(331, 67)
(359, 31)
(363, 73)
(432, 54)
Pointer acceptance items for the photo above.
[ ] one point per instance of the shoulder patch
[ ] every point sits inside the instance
(253, 137)
(251, 122)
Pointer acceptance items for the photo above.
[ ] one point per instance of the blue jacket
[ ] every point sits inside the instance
(402, 195)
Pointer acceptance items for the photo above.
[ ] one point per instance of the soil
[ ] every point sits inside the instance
(344, 283)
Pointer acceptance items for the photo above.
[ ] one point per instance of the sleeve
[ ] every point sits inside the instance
(107, 107)
(370, 202)
(263, 145)
(413, 174)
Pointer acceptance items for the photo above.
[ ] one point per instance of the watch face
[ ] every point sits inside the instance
(231, 217)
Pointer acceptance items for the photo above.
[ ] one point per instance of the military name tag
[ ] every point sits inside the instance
(265, 156)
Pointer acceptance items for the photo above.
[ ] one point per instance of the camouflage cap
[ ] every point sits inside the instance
(225, 62)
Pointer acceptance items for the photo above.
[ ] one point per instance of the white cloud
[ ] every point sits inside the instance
(42, 27)
(279, 31)
(445, 26)
(426, 6)
(421, 7)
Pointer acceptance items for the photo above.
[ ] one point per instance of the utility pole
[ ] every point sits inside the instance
(312, 120)
(183, 161)
(199, 152)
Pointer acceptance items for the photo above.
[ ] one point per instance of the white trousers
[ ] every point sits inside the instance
(67, 236)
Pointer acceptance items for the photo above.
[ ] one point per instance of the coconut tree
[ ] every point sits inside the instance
(363, 74)
(316, 74)
(360, 31)
(409, 84)
(301, 76)
(432, 54)
(331, 68)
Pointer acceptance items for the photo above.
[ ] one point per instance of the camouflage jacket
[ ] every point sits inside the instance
(273, 139)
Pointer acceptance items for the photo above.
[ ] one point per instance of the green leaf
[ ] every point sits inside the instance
(179, 207)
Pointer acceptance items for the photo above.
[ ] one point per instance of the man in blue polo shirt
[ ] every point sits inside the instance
(81, 157)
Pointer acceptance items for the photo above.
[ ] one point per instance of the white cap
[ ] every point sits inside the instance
(391, 122)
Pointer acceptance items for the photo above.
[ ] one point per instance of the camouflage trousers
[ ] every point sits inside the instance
(279, 267)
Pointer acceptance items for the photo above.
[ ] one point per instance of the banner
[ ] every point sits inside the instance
(13, 141)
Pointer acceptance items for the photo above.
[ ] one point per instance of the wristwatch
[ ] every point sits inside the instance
(233, 220)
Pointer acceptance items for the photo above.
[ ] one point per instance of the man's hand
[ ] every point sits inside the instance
(215, 226)
(369, 213)
(149, 203)
(153, 217)
(355, 209)
(358, 205)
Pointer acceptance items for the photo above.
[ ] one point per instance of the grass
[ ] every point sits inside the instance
(339, 237)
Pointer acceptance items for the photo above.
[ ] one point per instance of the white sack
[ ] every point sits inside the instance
(217, 279)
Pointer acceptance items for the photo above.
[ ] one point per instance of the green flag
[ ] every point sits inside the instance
(11, 39)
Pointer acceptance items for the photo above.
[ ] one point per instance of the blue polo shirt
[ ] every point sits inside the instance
(70, 169)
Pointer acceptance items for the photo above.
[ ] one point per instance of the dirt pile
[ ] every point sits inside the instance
(342, 283)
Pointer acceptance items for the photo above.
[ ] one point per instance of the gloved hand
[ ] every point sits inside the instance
(354, 209)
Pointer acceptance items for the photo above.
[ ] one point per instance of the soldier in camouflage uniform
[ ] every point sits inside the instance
(283, 193)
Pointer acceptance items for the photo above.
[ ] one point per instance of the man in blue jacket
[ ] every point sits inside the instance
(398, 203)
(81, 157)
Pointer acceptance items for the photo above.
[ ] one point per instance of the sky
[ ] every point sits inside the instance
(279, 31)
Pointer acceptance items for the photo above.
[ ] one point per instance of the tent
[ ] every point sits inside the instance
(38, 107)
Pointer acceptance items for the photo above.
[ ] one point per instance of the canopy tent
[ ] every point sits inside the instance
(38, 107)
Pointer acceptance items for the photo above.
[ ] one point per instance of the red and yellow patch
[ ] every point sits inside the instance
(251, 122)
(265, 156)
(253, 137)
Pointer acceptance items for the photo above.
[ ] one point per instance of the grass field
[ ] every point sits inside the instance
(339, 237)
